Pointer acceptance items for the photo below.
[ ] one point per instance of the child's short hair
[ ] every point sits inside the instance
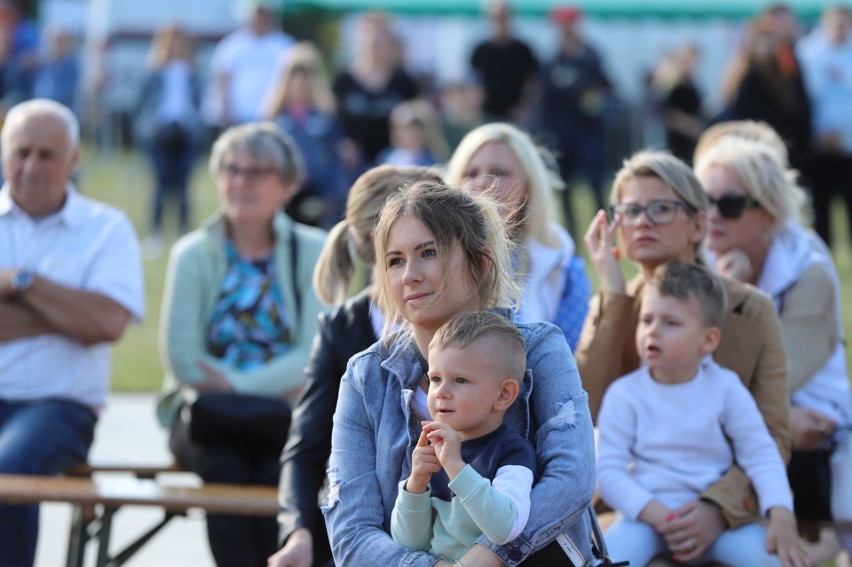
(685, 280)
(467, 328)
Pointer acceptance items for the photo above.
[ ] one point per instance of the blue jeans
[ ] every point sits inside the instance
(637, 542)
(172, 170)
(38, 438)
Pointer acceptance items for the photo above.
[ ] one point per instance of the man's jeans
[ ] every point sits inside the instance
(39, 438)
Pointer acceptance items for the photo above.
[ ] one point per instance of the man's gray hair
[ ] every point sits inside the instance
(44, 106)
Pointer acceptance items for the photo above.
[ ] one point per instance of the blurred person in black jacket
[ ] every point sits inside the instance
(353, 325)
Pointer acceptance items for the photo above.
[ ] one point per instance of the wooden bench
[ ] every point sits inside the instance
(137, 470)
(96, 499)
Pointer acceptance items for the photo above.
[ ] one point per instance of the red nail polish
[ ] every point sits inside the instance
(670, 517)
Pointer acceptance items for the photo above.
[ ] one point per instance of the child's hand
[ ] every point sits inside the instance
(782, 538)
(424, 463)
(447, 444)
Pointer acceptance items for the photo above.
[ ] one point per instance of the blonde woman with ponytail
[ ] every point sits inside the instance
(352, 326)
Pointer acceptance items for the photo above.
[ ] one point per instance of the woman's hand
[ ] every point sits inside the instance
(782, 538)
(297, 552)
(655, 514)
(213, 380)
(735, 264)
(599, 242)
(694, 528)
(809, 428)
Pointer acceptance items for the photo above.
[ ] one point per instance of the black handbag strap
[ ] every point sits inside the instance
(294, 263)
(599, 549)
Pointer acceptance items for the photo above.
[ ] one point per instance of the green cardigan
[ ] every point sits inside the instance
(197, 266)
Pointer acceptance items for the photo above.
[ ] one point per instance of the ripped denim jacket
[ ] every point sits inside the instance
(375, 427)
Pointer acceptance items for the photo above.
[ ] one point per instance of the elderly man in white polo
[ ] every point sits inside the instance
(70, 282)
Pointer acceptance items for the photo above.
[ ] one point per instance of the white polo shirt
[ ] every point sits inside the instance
(254, 64)
(87, 245)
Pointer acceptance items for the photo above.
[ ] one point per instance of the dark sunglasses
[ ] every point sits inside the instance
(732, 206)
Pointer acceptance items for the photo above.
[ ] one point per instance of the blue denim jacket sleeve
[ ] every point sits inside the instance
(356, 508)
(562, 433)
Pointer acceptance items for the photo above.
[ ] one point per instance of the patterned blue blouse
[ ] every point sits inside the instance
(249, 325)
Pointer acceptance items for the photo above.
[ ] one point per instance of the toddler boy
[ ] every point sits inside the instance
(470, 474)
(670, 429)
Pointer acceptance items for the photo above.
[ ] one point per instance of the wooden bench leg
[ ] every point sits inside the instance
(105, 530)
(131, 549)
(78, 536)
(103, 536)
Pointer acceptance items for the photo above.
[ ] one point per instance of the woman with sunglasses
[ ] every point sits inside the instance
(659, 212)
(755, 236)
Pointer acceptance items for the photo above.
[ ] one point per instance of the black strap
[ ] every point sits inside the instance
(294, 262)
(599, 549)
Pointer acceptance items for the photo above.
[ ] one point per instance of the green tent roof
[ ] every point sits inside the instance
(600, 8)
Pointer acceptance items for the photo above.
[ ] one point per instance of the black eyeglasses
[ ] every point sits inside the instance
(659, 211)
(250, 173)
(732, 205)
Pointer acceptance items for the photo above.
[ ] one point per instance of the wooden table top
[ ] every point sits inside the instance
(117, 491)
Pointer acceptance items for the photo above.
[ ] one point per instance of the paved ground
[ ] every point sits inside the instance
(128, 432)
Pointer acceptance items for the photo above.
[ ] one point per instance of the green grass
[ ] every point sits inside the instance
(124, 180)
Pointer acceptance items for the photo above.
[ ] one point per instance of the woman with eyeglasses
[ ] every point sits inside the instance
(238, 319)
(756, 236)
(659, 213)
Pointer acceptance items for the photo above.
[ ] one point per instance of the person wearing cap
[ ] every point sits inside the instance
(576, 93)
(246, 65)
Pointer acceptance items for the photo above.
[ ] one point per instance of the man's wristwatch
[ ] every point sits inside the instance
(22, 281)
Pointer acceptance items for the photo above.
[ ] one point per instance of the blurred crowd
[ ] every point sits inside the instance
(35, 63)
(326, 175)
(800, 84)
(373, 110)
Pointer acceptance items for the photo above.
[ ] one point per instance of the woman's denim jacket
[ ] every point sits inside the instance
(376, 427)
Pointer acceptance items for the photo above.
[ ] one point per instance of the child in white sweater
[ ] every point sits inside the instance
(673, 427)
